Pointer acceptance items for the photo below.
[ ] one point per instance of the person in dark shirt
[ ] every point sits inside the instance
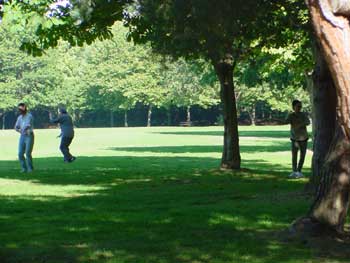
(298, 121)
(67, 133)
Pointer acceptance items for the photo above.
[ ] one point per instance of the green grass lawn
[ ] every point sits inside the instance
(152, 195)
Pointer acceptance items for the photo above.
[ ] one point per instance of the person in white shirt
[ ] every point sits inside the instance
(24, 126)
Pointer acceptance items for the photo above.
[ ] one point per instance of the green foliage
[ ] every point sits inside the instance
(189, 84)
(269, 42)
(74, 23)
(110, 75)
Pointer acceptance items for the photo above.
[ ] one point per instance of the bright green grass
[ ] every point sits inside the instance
(151, 195)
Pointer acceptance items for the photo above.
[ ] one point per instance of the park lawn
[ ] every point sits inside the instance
(153, 195)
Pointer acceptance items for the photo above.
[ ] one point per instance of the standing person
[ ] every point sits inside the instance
(67, 133)
(24, 125)
(298, 121)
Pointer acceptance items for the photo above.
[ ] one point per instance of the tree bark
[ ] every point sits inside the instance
(149, 116)
(126, 118)
(188, 118)
(231, 158)
(332, 199)
(331, 204)
(324, 115)
(3, 120)
(169, 116)
(252, 115)
(112, 118)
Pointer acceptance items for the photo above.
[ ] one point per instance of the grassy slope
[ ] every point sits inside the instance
(151, 195)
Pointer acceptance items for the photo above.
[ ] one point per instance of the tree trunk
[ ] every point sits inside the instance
(332, 199)
(324, 114)
(188, 118)
(231, 158)
(126, 118)
(112, 118)
(253, 115)
(330, 206)
(149, 116)
(169, 116)
(3, 120)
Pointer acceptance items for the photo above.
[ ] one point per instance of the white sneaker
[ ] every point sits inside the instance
(292, 175)
(298, 175)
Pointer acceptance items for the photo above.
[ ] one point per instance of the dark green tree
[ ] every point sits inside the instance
(222, 32)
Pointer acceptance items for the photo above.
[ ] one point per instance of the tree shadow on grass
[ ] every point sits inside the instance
(256, 133)
(151, 209)
(263, 133)
(273, 147)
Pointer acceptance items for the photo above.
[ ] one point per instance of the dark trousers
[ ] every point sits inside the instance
(64, 147)
(296, 146)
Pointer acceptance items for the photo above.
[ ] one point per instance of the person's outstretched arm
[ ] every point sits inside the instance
(54, 120)
(287, 119)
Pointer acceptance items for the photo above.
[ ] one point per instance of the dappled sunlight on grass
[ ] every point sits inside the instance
(15, 187)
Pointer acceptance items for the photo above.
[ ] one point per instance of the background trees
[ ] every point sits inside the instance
(113, 76)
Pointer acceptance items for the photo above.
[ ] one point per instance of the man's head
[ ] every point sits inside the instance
(297, 105)
(62, 110)
(22, 108)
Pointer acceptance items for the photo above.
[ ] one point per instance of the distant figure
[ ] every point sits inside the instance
(67, 133)
(298, 134)
(24, 125)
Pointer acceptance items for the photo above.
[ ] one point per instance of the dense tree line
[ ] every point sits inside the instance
(104, 83)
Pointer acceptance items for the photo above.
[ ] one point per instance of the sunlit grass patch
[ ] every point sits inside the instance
(15, 187)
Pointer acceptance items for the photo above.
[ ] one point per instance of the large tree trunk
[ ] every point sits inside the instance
(149, 116)
(331, 204)
(324, 114)
(332, 201)
(231, 158)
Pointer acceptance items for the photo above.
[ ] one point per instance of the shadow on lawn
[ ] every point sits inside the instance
(270, 134)
(263, 133)
(275, 147)
(151, 209)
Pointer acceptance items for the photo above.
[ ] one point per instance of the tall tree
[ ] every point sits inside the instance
(324, 102)
(221, 32)
(332, 28)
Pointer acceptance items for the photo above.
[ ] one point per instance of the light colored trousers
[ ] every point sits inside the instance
(25, 146)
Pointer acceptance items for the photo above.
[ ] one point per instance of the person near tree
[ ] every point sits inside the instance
(299, 137)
